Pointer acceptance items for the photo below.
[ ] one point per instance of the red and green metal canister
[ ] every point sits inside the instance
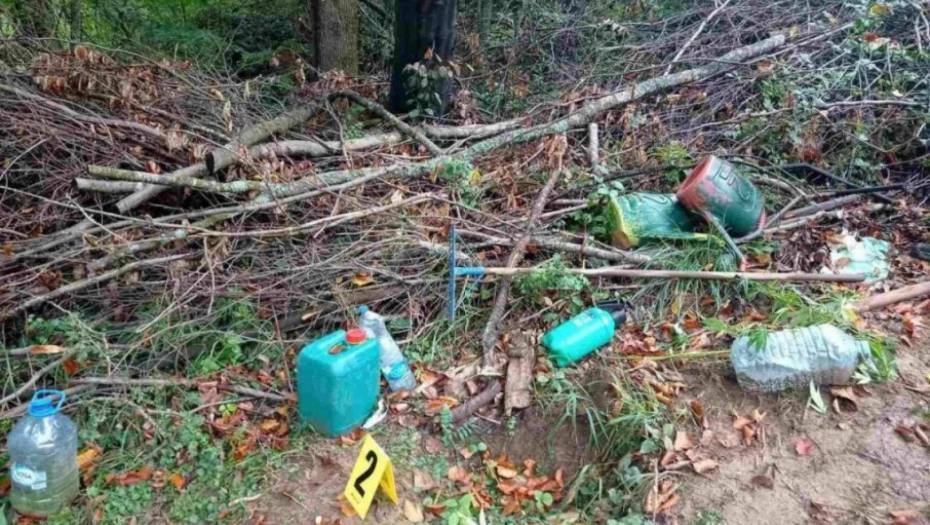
(715, 189)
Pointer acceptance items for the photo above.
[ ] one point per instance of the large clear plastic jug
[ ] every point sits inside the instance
(43, 456)
(793, 358)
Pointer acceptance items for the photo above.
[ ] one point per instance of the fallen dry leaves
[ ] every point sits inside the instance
(46, 349)
(86, 458)
(907, 517)
(804, 446)
(458, 474)
(750, 426)
(413, 512)
(177, 480)
(704, 466)
(423, 481)
(683, 441)
(130, 478)
(846, 394)
(660, 501)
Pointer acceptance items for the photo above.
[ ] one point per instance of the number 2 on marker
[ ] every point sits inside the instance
(372, 470)
(372, 459)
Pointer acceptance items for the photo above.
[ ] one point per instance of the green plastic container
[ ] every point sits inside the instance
(338, 380)
(638, 217)
(579, 336)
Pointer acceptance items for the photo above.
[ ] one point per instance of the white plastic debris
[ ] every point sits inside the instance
(867, 256)
(377, 417)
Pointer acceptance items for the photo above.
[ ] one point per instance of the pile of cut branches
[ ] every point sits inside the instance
(125, 184)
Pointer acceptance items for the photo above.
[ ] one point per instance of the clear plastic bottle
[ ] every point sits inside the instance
(393, 365)
(43, 456)
(793, 358)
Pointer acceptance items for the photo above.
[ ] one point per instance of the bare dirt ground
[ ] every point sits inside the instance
(310, 483)
(858, 471)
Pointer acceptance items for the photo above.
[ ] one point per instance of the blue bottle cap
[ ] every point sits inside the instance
(362, 309)
(43, 403)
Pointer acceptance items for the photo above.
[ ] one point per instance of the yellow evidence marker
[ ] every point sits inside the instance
(372, 469)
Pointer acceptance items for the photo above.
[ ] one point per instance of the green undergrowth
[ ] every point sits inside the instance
(624, 421)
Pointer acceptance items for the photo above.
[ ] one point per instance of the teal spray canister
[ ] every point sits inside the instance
(586, 332)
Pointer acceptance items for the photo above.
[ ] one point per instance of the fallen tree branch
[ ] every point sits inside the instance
(107, 186)
(470, 131)
(219, 158)
(332, 181)
(124, 251)
(823, 206)
(906, 293)
(631, 273)
(807, 219)
(329, 220)
(65, 110)
(187, 383)
(492, 328)
(466, 409)
(223, 156)
(378, 109)
(90, 281)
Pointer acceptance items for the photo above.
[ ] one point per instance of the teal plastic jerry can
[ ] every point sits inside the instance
(338, 380)
(579, 336)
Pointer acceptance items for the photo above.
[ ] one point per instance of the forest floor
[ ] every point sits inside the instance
(171, 238)
(854, 467)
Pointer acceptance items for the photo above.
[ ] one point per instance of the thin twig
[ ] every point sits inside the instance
(90, 281)
(187, 383)
(696, 33)
(35, 377)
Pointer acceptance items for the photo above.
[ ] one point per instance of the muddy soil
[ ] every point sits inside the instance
(309, 485)
(859, 470)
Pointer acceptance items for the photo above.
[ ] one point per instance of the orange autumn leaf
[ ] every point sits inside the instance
(70, 366)
(506, 473)
(86, 459)
(803, 446)
(177, 480)
(530, 465)
(351, 438)
(270, 425)
(458, 474)
(691, 323)
(347, 509)
(697, 408)
(131, 478)
(362, 278)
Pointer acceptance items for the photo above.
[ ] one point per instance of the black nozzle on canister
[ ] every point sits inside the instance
(618, 310)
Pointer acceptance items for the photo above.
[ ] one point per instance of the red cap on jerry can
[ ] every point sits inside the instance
(356, 336)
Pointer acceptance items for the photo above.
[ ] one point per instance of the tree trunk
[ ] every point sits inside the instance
(34, 18)
(421, 26)
(335, 34)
